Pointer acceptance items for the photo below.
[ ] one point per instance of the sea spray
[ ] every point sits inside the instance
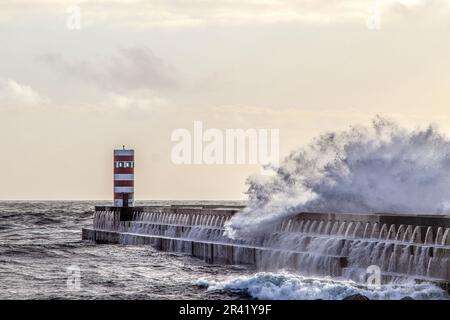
(287, 286)
(378, 168)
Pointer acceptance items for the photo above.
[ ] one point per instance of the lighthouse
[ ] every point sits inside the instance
(124, 177)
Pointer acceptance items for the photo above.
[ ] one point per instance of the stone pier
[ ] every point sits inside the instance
(326, 244)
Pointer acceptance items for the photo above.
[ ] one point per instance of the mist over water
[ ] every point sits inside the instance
(382, 167)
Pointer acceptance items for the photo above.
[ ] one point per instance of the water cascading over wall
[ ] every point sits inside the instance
(313, 244)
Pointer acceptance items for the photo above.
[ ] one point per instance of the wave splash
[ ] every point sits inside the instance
(378, 168)
(286, 286)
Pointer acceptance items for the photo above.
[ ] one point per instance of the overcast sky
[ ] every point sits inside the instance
(138, 70)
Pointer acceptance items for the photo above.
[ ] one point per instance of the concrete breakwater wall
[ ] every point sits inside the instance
(338, 245)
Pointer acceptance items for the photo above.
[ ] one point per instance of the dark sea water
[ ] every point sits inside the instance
(41, 241)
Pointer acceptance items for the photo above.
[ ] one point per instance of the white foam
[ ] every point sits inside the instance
(286, 286)
(379, 168)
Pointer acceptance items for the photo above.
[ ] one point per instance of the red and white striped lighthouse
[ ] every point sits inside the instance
(124, 177)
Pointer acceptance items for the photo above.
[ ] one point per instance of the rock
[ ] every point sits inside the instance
(356, 297)
(407, 298)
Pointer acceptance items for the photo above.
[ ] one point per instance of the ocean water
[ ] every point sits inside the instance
(40, 242)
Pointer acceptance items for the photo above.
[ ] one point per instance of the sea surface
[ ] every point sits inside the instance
(42, 257)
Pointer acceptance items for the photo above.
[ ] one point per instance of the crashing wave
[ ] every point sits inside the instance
(377, 168)
(286, 286)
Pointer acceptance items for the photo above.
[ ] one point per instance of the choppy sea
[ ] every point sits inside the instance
(42, 257)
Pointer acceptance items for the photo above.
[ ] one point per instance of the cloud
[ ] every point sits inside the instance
(16, 95)
(182, 13)
(137, 104)
(129, 69)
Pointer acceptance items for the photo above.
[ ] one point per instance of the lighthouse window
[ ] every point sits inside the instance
(124, 164)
